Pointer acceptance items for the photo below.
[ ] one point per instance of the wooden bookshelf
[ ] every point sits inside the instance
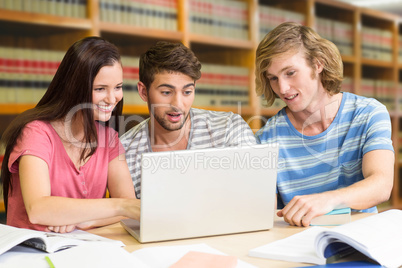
(44, 19)
(45, 31)
(15, 108)
(140, 32)
(2, 208)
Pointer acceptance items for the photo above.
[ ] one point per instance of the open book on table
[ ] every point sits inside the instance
(49, 242)
(378, 237)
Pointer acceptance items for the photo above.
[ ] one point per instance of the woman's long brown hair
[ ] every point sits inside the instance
(70, 88)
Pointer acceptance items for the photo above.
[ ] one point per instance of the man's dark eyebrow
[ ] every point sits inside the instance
(172, 87)
(189, 85)
(166, 85)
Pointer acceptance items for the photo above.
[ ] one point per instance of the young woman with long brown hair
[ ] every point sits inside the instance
(62, 156)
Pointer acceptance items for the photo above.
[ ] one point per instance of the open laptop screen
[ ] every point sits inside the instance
(194, 193)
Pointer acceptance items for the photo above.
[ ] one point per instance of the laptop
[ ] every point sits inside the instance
(206, 192)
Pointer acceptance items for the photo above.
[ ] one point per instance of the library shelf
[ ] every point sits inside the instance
(340, 6)
(31, 18)
(219, 41)
(378, 15)
(238, 110)
(144, 32)
(135, 109)
(349, 59)
(143, 109)
(127, 109)
(31, 30)
(14, 108)
(377, 63)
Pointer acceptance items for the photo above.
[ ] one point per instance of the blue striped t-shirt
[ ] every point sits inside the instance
(333, 158)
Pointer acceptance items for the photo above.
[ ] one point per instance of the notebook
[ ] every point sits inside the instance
(206, 192)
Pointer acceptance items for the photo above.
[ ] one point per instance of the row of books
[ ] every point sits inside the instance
(376, 43)
(382, 90)
(400, 99)
(224, 18)
(400, 49)
(270, 17)
(67, 8)
(347, 84)
(25, 74)
(399, 156)
(338, 32)
(158, 14)
(130, 80)
(223, 86)
(400, 148)
(219, 85)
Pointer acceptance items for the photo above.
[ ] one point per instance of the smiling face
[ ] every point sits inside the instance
(169, 99)
(107, 91)
(295, 82)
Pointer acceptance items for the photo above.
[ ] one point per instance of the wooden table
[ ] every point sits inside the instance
(236, 244)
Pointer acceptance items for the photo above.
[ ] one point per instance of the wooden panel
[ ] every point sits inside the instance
(292, 5)
(223, 42)
(2, 208)
(182, 21)
(13, 108)
(130, 30)
(135, 109)
(44, 19)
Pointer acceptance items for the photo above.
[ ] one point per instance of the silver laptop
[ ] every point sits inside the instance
(205, 192)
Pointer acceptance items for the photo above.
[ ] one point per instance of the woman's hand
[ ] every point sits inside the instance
(61, 229)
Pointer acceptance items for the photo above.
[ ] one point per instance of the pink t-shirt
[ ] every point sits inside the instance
(39, 139)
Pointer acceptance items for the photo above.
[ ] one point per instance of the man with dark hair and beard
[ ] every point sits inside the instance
(168, 73)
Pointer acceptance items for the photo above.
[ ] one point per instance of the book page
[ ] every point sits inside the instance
(56, 241)
(85, 236)
(378, 236)
(296, 248)
(11, 236)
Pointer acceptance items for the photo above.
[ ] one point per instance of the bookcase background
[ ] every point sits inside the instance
(372, 67)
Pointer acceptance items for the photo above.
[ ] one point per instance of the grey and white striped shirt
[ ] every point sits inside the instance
(208, 129)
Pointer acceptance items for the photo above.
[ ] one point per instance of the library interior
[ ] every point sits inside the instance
(223, 34)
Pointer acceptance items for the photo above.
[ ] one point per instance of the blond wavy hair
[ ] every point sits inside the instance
(293, 37)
